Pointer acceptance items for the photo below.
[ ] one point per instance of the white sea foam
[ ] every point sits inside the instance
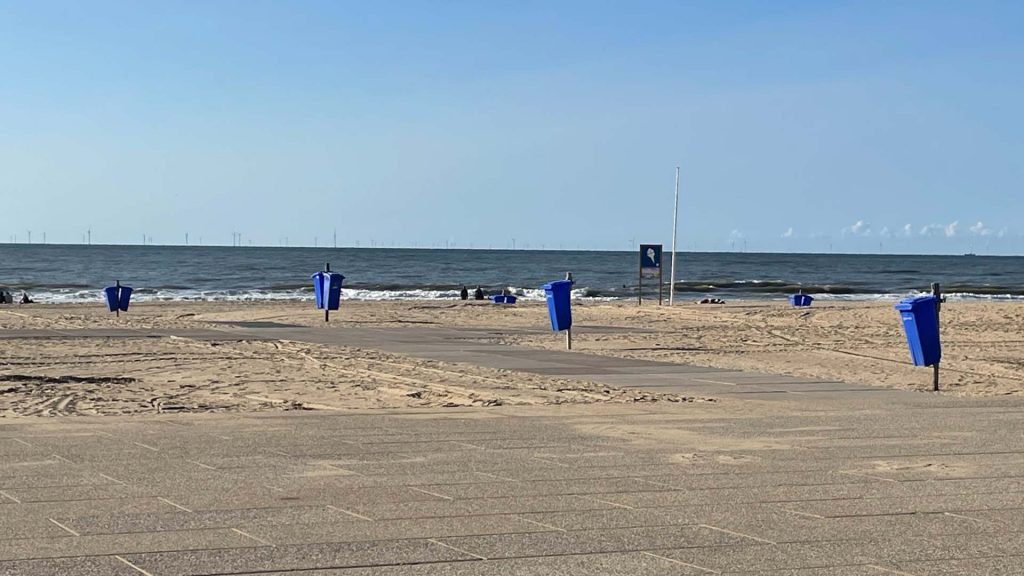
(176, 295)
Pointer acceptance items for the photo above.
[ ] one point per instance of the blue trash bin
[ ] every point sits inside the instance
(557, 294)
(920, 319)
(800, 299)
(498, 298)
(117, 298)
(112, 297)
(510, 299)
(124, 298)
(327, 290)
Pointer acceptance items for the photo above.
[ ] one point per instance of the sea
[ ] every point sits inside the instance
(77, 273)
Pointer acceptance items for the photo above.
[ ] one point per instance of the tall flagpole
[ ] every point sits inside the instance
(675, 227)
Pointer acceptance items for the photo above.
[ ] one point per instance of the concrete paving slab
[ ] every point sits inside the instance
(958, 504)
(628, 564)
(69, 546)
(349, 531)
(304, 557)
(180, 520)
(766, 557)
(1002, 566)
(593, 541)
(543, 488)
(603, 519)
(476, 507)
(82, 566)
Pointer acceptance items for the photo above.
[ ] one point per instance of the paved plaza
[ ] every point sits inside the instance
(777, 476)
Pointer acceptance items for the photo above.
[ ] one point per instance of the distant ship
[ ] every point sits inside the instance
(970, 254)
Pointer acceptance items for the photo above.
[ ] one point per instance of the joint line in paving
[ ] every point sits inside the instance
(715, 382)
(349, 512)
(459, 550)
(798, 513)
(550, 462)
(742, 535)
(862, 475)
(616, 504)
(9, 497)
(495, 476)
(661, 484)
(888, 570)
(112, 479)
(247, 535)
(133, 565)
(178, 506)
(431, 493)
(541, 524)
(674, 561)
(63, 527)
(979, 520)
(201, 465)
(352, 472)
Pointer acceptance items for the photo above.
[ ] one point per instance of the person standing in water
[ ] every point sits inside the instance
(464, 294)
(478, 294)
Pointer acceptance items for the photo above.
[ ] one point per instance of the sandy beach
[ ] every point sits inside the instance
(858, 343)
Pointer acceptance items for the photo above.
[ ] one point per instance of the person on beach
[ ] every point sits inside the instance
(25, 299)
(478, 294)
(464, 294)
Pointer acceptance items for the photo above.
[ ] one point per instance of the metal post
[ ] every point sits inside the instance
(117, 311)
(661, 284)
(675, 226)
(327, 301)
(937, 292)
(568, 331)
(640, 280)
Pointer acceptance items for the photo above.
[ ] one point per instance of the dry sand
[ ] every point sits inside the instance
(849, 342)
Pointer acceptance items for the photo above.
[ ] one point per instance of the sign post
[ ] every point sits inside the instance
(650, 266)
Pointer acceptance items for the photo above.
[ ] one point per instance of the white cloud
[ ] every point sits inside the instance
(885, 233)
(980, 229)
(736, 235)
(859, 228)
(947, 230)
(788, 233)
(908, 230)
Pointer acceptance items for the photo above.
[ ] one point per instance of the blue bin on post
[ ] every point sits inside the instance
(557, 294)
(921, 325)
(327, 290)
(117, 297)
(800, 299)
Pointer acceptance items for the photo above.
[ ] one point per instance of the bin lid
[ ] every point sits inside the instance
(908, 304)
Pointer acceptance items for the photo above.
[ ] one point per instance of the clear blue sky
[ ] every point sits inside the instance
(798, 125)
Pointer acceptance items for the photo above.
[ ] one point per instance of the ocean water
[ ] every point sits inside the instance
(76, 273)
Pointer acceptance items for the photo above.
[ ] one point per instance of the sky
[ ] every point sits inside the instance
(814, 126)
